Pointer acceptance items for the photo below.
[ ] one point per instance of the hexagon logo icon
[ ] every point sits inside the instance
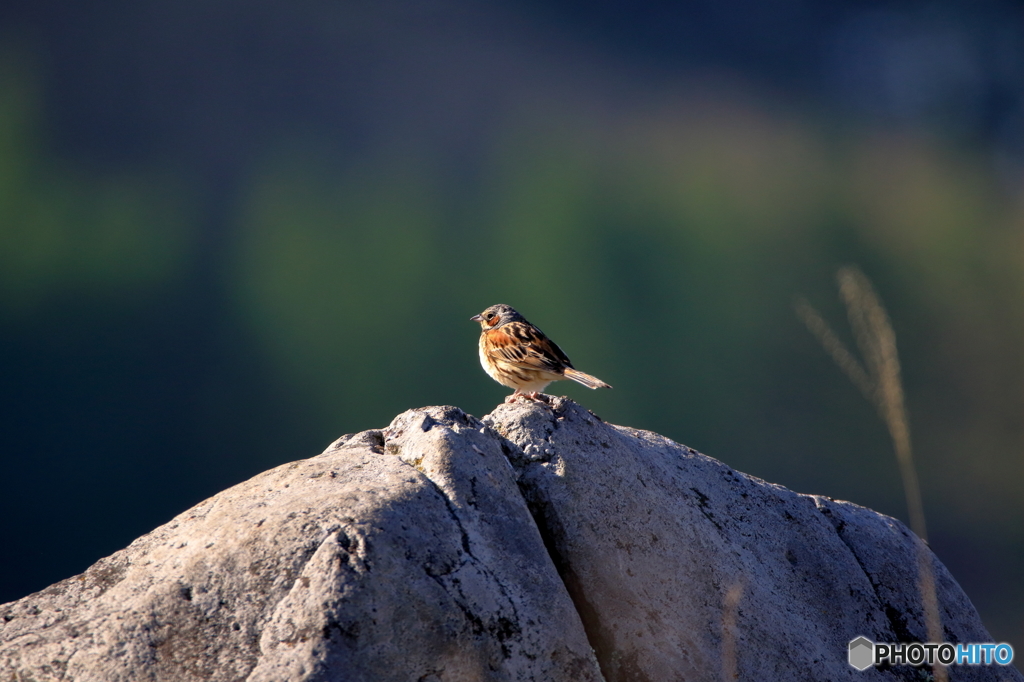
(862, 653)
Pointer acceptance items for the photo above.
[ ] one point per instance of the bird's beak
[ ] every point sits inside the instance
(476, 318)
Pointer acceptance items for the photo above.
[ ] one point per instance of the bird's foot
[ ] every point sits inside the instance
(536, 396)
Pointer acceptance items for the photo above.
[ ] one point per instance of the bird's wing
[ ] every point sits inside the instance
(524, 346)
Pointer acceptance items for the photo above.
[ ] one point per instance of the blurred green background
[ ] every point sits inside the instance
(230, 233)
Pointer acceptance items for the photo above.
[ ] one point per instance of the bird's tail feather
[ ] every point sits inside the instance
(584, 378)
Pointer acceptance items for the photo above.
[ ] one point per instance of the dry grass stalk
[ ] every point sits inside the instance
(877, 343)
(879, 380)
(730, 610)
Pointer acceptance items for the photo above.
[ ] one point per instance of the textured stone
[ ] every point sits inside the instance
(353, 565)
(446, 548)
(651, 537)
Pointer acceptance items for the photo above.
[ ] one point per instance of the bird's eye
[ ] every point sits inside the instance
(490, 317)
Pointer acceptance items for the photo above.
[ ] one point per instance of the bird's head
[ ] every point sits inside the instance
(497, 315)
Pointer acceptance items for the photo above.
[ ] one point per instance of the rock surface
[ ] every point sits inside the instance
(552, 546)
(651, 537)
(353, 565)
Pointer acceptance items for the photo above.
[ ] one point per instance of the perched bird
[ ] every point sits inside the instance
(518, 355)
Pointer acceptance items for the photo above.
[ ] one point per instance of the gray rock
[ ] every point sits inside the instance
(684, 569)
(353, 565)
(446, 548)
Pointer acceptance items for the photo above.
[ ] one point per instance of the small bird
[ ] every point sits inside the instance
(518, 355)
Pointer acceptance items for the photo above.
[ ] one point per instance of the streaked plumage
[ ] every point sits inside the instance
(518, 355)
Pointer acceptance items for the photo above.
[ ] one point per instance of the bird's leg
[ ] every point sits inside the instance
(535, 395)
